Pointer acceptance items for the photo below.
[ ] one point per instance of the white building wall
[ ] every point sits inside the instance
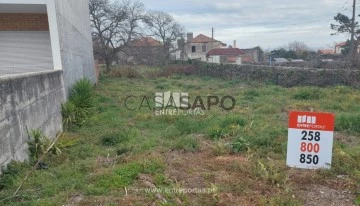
(214, 59)
(238, 61)
(76, 46)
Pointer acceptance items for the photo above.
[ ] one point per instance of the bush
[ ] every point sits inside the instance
(114, 138)
(307, 94)
(68, 112)
(187, 143)
(11, 173)
(81, 104)
(348, 122)
(125, 72)
(39, 144)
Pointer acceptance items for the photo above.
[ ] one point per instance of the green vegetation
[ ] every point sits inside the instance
(81, 104)
(241, 152)
(39, 144)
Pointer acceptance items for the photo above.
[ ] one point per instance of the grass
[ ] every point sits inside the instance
(117, 145)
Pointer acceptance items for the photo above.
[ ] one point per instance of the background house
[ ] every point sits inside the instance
(225, 56)
(340, 47)
(253, 55)
(326, 51)
(198, 47)
(145, 50)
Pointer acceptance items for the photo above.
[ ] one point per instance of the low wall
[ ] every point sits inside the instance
(283, 76)
(28, 102)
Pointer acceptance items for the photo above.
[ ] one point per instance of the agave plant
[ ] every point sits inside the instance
(81, 104)
(37, 143)
(68, 112)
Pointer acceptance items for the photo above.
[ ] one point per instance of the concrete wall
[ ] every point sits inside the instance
(76, 46)
(28, 102)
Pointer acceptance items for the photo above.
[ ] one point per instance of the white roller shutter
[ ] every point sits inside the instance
(25, 51)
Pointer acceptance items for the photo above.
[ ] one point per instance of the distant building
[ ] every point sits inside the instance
(340, 47)
(252, 55)
(145, 50)
(326, 51)
(198, 47)
(225, 56)
(297, 60)
(280, 60)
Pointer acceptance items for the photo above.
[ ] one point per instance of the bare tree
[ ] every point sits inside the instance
(105, 21)
(164, 27)
(133, 24)
(298, 47)
(115, 25)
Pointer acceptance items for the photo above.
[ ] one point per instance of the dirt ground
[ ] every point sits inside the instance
(230, 181)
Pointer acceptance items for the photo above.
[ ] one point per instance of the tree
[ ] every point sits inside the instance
(283, 53)
(344, 26)
(115, 25)
(298, 47)
(346, 48)
(105, 20)
(136, 14)
(261, 53)
(163, 27)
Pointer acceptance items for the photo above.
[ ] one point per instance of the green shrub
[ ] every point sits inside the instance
(241, 144)
(357, 201)
(234, 120)
(348, 122)
(81, 104)
(10, 173)
(250, 94)
(187, 143)
(218, 133)
(68, 112)
(125, 72)
(114, 138)
(39, 144)
(307, 94)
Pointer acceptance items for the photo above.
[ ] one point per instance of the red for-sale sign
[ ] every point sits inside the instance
(310, 140)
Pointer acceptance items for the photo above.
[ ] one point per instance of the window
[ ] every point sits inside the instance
(204, 48)
(193, 49)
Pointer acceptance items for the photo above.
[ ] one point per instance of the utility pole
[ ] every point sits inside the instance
(352, 44)
(212, 37)
(212, 33)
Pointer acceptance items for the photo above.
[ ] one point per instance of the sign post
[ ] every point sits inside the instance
(310, 140)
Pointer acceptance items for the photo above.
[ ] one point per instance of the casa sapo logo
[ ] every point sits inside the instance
(178, 103)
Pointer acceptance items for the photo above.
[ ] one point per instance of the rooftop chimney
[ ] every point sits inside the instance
(190, 36)
(234, 46)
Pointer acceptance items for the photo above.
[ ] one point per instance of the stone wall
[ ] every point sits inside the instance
(283, 76)
(26, 103)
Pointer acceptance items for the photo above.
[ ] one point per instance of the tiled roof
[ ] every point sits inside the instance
(225, 51)
(145, 41)
(341, 44)
(326, 51)
(201, 38)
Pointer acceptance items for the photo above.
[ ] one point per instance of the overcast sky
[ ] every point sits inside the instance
(267, 23)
